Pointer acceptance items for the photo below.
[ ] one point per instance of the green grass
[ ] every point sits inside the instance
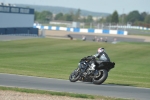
(57, 58)
(59, 93)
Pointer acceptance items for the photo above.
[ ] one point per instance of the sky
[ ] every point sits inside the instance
(105, 6)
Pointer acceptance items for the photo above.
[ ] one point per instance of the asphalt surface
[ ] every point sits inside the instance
(16, 37)
(76, 87)
(109, 38)
(89, 37)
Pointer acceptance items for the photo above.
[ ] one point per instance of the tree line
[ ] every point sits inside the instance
(133, 17)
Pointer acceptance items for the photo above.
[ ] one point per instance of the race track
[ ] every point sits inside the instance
(77, 87)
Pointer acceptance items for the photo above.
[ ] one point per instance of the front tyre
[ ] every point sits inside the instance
(100, 77)
(74, 76)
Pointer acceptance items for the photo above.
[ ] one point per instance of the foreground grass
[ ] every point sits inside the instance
(58, 58)
(60, 93)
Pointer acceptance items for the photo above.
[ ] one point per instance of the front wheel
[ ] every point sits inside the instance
(74, 76)
(100, 77)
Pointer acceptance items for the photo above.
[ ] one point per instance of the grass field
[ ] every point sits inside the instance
(57, 58)
(51, 93)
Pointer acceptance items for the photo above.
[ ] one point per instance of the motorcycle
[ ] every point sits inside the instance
(91, 70)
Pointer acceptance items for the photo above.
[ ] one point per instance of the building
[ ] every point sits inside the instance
(16, 20)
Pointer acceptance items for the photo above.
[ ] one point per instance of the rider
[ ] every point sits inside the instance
(101, 56)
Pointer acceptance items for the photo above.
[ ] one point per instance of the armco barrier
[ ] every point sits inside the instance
(83, 30)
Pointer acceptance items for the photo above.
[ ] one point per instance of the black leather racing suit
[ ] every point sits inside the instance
(101, 57)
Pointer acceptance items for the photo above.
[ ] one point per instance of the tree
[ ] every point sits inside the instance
(133, 16)
(143, 16)
(59, 16)
(89, 19)
(36, 15)
(102, 20)
(147, 19)
(45, 16)
(108, 19)
(114, 17)
(77, 15)
(122, 18)
(68, 17)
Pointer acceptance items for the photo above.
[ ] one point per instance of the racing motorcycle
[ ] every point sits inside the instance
(91, 70)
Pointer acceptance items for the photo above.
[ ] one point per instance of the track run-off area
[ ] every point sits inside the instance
(50, 84)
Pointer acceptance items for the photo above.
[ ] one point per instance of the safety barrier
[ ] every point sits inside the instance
(131, 27)
(83, 30)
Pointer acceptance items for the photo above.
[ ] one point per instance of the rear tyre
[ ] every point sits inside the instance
(100, 77)
(74, 76)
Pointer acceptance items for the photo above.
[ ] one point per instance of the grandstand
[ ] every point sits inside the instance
(16, 20)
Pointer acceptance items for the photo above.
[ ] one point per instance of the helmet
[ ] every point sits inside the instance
(100, 50)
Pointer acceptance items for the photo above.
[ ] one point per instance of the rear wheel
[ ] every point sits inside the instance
(100, 77)
(74, 76)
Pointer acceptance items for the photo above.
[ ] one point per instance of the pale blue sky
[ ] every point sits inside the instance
(107, 6)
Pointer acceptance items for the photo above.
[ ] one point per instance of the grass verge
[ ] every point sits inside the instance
(59, 93)
(57, 58)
